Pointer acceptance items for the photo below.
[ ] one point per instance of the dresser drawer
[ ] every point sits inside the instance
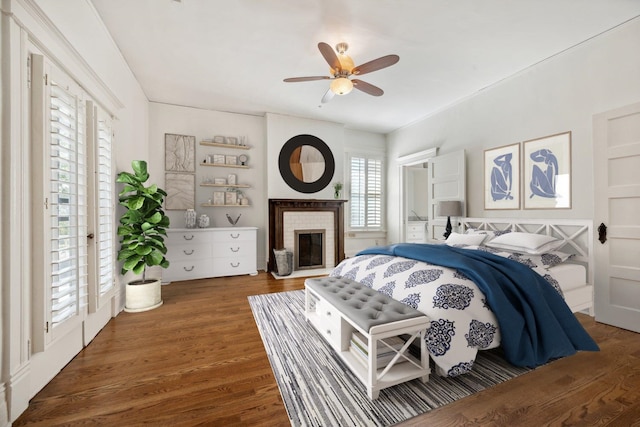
(234, 249)
(188, 237)
(234, 236)
(185, 270)
(415, 228)
(415, 237)
(231, 266)
(187, 252)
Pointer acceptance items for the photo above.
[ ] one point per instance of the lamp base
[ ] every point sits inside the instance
(447, 231)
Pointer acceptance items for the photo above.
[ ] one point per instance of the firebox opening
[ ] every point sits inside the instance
(309, 249)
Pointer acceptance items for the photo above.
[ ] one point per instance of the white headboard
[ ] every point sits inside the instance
(577, 234)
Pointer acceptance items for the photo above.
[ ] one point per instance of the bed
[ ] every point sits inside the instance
(454, 284)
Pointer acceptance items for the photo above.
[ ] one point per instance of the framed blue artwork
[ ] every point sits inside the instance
(546, 172)
(502, 177)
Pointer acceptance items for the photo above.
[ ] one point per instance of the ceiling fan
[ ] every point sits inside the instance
(342, 67)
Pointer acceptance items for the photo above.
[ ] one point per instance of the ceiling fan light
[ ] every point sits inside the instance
(341, 86)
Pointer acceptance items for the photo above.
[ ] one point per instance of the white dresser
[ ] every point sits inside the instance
(210, 252)
(416, 231)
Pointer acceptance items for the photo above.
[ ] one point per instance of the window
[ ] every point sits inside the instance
(365, 192)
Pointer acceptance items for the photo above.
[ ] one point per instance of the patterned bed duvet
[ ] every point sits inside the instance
(463, 319)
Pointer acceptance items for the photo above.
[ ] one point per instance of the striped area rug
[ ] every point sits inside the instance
(319, 390)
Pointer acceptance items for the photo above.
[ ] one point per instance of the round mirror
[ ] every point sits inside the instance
(306, 163)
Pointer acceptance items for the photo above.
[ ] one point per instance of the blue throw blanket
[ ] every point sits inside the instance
(535, 322)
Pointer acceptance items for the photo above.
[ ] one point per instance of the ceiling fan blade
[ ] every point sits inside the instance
(375, 65)
(367, 87)
(305, 79)
(328, 96)
(329, 55)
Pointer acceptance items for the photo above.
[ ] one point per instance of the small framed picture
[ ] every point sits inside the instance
(231, 179)
(218, 197)
(231, 198)
(218, 139)
(219, 158)
(220, 181)
(232, 140)
(231, 160)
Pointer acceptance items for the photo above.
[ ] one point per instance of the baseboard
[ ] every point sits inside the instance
(18, 392)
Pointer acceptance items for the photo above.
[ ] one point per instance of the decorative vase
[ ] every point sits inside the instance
(190, 218)
(203, 221)
(336, 194)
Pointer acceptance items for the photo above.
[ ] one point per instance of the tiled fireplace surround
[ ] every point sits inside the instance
(288, 215)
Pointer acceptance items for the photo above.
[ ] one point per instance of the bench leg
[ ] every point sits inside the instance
(373, 394)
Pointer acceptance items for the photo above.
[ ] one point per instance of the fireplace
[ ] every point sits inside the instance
(309, 249)
(287, 215)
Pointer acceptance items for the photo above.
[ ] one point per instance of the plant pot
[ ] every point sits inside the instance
(142, 296)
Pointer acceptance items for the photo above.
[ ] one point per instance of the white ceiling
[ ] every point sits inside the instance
(233, 55)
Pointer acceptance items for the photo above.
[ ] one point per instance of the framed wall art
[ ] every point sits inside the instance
(502, 177)
(181, 191)
(179, 153)
(547, 172)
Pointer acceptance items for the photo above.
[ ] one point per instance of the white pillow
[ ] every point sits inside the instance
(529, 243)
(465, 239)
(490, 234)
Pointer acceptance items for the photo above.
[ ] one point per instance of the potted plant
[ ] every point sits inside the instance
(141, 232)
(337, 187)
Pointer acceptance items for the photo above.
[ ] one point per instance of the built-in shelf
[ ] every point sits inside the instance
(211, 205)
(225, 185)
(224, 165)
(216, 144)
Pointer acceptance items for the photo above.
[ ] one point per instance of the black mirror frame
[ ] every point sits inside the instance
(285, 170)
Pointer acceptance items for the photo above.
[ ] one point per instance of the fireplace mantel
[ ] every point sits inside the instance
(277, 208)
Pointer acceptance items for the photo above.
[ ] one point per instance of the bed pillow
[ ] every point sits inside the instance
(489, 234)
(457, 239)
(529, 243)
(545, 261)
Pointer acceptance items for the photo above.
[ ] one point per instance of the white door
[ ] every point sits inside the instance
(447, 181)
(616, 145)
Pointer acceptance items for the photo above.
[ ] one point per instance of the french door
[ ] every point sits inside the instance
(72, 190)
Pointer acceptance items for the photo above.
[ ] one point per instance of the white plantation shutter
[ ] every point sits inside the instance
(67, 204)
(60, 221)
(101, 205)
(365, 198)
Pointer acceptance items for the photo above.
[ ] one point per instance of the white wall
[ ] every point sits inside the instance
(557, 95)
(203, 124)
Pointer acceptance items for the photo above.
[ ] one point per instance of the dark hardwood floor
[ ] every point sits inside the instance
(199, 360)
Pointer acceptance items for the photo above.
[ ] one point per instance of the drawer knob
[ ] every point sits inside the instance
(188, 238)
(189, 269)
(234, 265)
(328, 313)
(188, 252)
(328, 332)
(235, 250)
(235, 236)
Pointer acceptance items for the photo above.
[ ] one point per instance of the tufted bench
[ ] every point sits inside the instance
(343, 310)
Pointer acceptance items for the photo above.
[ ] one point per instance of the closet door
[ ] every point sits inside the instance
(616, 145)
(447, 181)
